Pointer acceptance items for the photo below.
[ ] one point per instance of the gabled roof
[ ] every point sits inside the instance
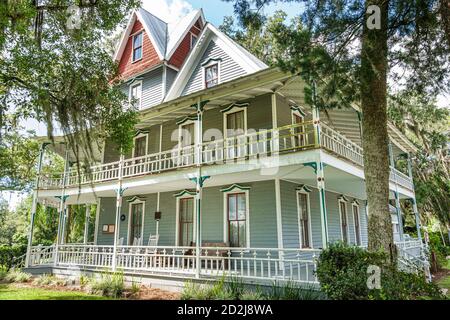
(164, 37)
(155, 28)
(178, 32)
(245, 59)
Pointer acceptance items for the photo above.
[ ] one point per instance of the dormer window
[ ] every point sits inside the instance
(136, 94)
(212, 75)
(137, 46)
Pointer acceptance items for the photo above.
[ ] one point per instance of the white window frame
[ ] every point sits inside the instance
(133, 48)
(196, 39)
(311, 246)
(247, 217)
(210, 64)
(180, 131)
(130, 93)
(234, 109)
(138, 136)
(177, 215)
(130, 204)
(341, 200)
(355, 204)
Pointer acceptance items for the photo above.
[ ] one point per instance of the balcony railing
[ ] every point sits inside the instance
(250, 146)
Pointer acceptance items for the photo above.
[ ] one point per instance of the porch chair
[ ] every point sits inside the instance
(153, 240)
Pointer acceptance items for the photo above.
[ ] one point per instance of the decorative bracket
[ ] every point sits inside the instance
(202, 180)
(201, 107)
(64, 198)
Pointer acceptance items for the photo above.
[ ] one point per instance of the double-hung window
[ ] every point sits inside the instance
(303, 212)
(237, 219)
(136, 94)
(355, 209)
(137, 46)
(344, 221)
(211, 75)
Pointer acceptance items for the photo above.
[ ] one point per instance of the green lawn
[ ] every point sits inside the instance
(445, 281)
(12, 292)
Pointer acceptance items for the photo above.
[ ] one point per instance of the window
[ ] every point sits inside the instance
(298, 130)
(187, 134)
(304, 222)
(135, 223)
(237, 219)
(212, 75)
(186, 221)
(140, 146)
(136, 94)
(235, 127)
(355, 209)
(137, 46)
(193, 40)
(344, 224)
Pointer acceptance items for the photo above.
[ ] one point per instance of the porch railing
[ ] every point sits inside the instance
(250, 264)
(248, 146)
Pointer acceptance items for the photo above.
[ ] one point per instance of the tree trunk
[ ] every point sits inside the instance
(375, 135)
(444, 10)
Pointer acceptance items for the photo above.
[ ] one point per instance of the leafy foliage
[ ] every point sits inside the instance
(9, 253)
(342, 273)
(59, 74)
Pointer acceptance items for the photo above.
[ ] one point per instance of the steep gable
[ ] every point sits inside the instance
(150, 58)
(181, 52)
(212, 45)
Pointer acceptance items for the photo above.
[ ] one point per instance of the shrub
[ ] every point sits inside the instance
(440, 250)
(44, 280)
(342, 272)
(8, 254)
(109, 285)
(17, 276)
(3, 272)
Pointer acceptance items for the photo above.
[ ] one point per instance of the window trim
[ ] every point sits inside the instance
(185, 195)
(196, 39)
(300, 236)
(141, 32)
(187, 121)
(234, 109)
(130, 92)
(130, 206)
(138, 136)
(209, 64)
(344, 201)
(357, 234)
(236, 190)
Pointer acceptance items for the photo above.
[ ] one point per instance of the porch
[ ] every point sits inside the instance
(250, 265)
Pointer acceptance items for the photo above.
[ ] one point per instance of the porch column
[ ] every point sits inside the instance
(86, 223)
(62, 206)
(34, 205)
(413, 200)
(199, 180)
(396, 195)
(279, 222)
(119, 195)
(318, 167)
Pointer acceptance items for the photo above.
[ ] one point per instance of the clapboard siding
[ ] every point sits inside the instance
(170, 78)
(262, 215)
(152, 90)
(229, 69)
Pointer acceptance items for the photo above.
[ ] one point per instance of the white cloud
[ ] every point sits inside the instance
(168, 10)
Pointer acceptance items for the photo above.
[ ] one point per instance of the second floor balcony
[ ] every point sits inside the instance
(255, 146)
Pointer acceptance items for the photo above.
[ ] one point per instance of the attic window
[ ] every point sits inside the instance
(212, 75)
(137, 46)
(193, 40)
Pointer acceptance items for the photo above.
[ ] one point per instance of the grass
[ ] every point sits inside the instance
(445, 281)
(14, 292)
